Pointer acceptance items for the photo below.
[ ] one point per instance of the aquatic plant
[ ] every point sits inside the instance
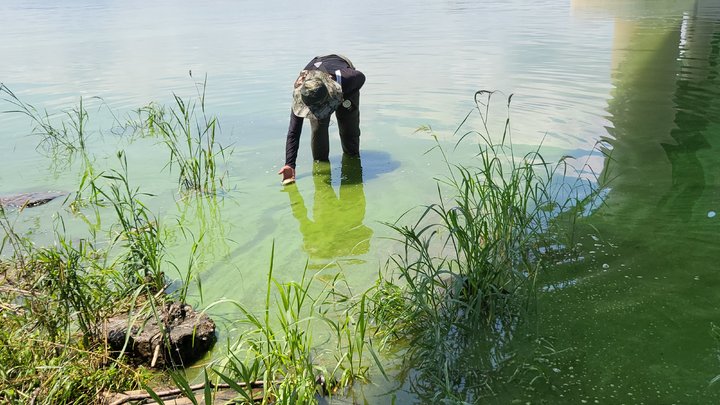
(190, 136)
(282, 349)
(57, 297)
(57, 141)
(52, 300)
(450, 301)
(19, 246)
(469, 263)
(201, 224)
(139, 230)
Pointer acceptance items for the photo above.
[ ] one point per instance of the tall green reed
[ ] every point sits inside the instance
(52, 302)
(19, 246)
(472, 252)
(138, 229)
(67, 290)
(81, 292)
(283, 347)
(470, 261)
(190, 136)
(57, 141)
(64, 136)
(200, 223)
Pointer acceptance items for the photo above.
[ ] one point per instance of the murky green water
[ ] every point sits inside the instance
(630, 322)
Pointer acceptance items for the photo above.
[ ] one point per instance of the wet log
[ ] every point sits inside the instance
(29, 199)
(175, 337)
(221, 394)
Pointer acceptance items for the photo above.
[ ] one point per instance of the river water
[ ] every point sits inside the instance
(630, 322)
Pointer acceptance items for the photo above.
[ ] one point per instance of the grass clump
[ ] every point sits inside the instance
(305, 346)
(311, 340)
(190, 136)
(64, 140)
(52, 301)
(138, 230)
(469, 264)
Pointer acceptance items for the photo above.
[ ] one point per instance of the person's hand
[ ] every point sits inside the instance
(288, 175)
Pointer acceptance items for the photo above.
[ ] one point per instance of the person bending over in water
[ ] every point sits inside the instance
(327, 84)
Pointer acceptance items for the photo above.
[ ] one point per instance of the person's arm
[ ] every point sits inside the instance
(352, 80)
(292, 144)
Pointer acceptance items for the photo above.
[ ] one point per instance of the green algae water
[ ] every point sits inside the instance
(629, 321)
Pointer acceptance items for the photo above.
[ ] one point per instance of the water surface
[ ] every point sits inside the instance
(632, 319)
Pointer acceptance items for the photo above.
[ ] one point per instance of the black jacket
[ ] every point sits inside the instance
(351, 80)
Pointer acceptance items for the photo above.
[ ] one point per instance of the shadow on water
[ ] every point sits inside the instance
(375, 163)
(635, 323)
(699, 90)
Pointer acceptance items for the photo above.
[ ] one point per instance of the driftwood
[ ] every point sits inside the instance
(29, 199)
(177, 336)
(222, 392)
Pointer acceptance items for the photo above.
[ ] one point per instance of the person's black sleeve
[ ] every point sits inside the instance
(293, 140)
(352, 80)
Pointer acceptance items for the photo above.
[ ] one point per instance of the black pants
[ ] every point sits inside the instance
(348, 120)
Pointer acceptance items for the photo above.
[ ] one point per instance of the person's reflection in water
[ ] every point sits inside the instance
(336, 228)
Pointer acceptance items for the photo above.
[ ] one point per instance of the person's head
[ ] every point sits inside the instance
(316, 95)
